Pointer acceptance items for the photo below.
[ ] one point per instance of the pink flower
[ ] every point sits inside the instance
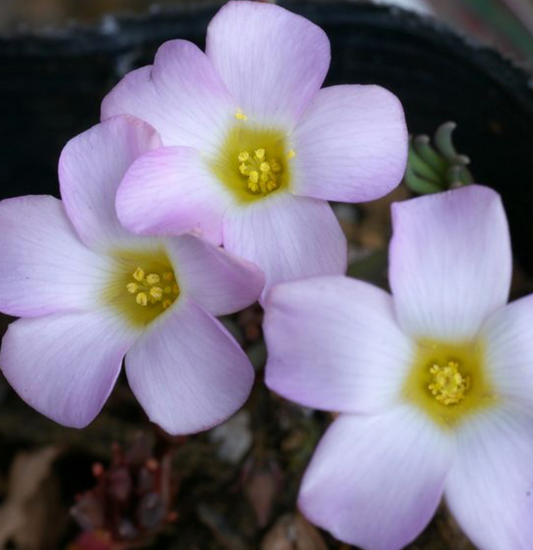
(90, 293)
(253, 147)
(434, 384)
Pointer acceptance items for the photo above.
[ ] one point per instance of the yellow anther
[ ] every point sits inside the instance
(168, 290)
(448, 386)
(156, 293)
(176, 289)
(138, 275)
(142, 299)
(168, 276)
(132, 288)
(239, 115)
(291, 154)
(245, 169)
(167, 304)
(262, 172)
(153, 279)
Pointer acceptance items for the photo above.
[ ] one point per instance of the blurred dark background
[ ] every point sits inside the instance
(506, 24)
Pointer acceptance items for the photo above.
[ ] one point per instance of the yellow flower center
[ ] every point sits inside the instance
(153, 289)
(253, 162)
(449, 381)
(448, 385)
(143, 287)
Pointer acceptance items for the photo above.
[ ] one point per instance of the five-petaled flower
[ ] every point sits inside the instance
(253, 147)
(90, 293)
(434, 384)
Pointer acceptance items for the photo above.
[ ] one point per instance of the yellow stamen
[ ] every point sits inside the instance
(147, 294)
(142, 299)
(245, 169)
(449, 381)
(448, 385)
(261, 173)
(139, 274)
(291, 154)
(250, 158)
(132, 288)
(156, 293)
(153, 279)
(239, 115)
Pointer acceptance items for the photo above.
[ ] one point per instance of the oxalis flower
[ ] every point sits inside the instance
(253, 147)
(89, 293)
(434, 383)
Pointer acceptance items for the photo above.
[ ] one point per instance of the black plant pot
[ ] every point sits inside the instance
(51, 88)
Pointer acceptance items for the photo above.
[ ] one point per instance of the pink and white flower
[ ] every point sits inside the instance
(434, 383)
(89, 293)
(253, 148)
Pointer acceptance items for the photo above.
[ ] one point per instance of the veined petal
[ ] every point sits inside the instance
(450, 262)
(288, 237)
(170, 191)
(272, 60)
(91, 168)
(44, 267)
(187, 372)
(215, 279)
(376, 481)
(66, 365)
(351, 144)
(490, 487)
(182, 96)
(508, 337)
(334, 344)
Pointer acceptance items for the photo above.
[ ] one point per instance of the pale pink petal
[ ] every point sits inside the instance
(182, 96)
(171, 191)
(508, 339)
(44, 267)
(288, 237)
(376, 481)
(490, 487)
(273, 61)
(351, 145)
(450, 262)
(187, 372)
(91, 168)
(215, 279)
(66, 365)
(334, 344)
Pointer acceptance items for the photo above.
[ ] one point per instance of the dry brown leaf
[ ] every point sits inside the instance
(293, 532)
(32, 502)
